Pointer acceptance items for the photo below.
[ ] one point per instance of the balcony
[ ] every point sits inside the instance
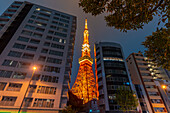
(99, 75)
(7, 103)
(13, 8)
(101, 92)
(27, 104)
(152, 89)
(3, 22)
(101, 102)
(100, 83)
(158, 105)
(13, 89)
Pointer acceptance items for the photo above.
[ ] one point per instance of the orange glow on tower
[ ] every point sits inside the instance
(85, 85)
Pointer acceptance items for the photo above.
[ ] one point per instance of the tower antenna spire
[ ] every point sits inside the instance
(86, 24)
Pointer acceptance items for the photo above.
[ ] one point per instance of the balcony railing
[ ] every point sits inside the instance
(7, 103)
(13, 89)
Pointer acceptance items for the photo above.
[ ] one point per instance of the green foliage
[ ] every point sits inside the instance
(68, 109)
(132, 15)
(126, 99)
(127, 14)
(158, 47)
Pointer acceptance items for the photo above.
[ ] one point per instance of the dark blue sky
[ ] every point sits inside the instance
(130, 41)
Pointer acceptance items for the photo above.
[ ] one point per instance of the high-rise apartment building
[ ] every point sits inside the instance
(142, 78)
(111, 73)
(33, 35)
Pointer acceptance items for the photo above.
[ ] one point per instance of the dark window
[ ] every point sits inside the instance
(15, 54)
(19, 46)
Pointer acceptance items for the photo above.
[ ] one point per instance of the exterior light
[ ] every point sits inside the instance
(164, 86)
(152, 73)
(34, 68)
(150, 69)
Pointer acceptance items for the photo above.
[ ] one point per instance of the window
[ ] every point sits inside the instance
(32, 88)
(54, 60)
(30, 27)
(49, 103)
(57, 14)
(31, 48)
(10, 63)
(42, 19)
(23, 65)
(8, 101)
(46, 11)
(40, 24)
(46, 90)
(50, 32)
(44, 51)
(64, 25)
(159, 109)
(29, 33)
(27, 102)
(40, 29)
(15, 54)
(61, 29)
(60, 34)
(47, 78)
(36, 77)
(14, 87)
(33, 41)
(37, 35)
(23, 39)
(44, 15)
(33, 16)
(54, 22)
(115, 71)
(28, 56)
(153, 93)
(57, 46)
(147, 80)
(64, 16)
(42, 58)
(30, 21)
(52, 69)
(46, 43)
(156, 100)
(19, 75)
(56, 18)
(19, 46)
(49, 37)
(63, 20)
(53, 27)
(57, 53)
(5, 74)
(2, 86)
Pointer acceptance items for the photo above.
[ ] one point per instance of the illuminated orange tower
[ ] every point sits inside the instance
(85, 85)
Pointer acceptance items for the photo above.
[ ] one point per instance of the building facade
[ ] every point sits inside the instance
(33, 35)
(142, 78)
(111, 74)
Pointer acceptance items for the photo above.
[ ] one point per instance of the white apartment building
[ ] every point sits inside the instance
(33, 35)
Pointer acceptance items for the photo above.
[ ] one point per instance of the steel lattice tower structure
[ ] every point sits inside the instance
(85, 85)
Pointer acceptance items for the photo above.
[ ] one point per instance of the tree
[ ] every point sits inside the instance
(158, 47)
(126, 99)
(68, 109)
(127, 14)
(130, 14)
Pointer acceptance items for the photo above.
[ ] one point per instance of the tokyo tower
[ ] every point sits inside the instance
(85, 85)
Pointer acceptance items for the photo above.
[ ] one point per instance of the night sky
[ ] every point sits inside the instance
(98, 31)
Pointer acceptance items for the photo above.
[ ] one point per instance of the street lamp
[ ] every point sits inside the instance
(34, 68)
(164, 86)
